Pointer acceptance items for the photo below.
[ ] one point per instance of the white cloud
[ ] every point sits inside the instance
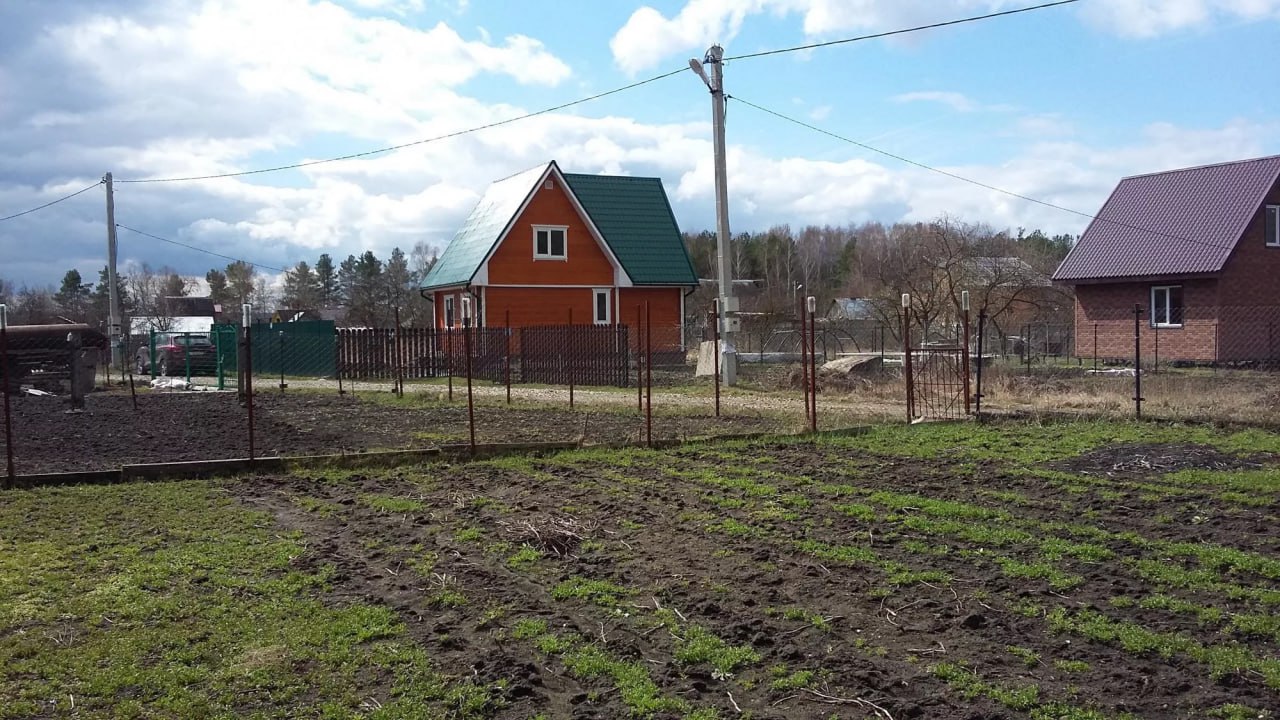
(954, 100)
(820, 113)
(1149, 18)
(649, 38)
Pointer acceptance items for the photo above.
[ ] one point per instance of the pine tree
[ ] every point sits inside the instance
(326, 280)
(73, 297)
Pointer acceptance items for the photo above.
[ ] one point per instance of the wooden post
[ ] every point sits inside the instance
(639, 361)
(977, 397)
(398, 356)
(964, 346)
(813, 364)
(471, 408)
(448, 358)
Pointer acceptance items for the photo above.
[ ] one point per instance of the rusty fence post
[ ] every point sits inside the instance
(398, 355)
(977, 396)
(648, 371)
(804, 359)
(248, 375)
(467, 324)
(906, 356)
(10, 473)
(1095, 348)
(715, 348)
(964, 348)
(448, 358)
(507, 369)
(812, 302)
(569, 355)
(1137, 361)
(639, 359)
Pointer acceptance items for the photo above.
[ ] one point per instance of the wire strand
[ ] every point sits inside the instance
(904, 31)
(199, 249)
(424, 141)
(971, 181)
(51, 202)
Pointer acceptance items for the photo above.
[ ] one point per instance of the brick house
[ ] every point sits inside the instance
(544, 243)
(1198, 251)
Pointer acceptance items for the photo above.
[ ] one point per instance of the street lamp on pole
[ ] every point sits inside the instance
(724, 258)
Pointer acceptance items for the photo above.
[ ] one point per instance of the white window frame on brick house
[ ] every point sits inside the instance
(546, 252)
(450, 313)
(1271, 225)
(1162, 309)
(607, 294)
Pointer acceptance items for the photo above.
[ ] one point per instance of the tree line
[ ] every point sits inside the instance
(932, 261)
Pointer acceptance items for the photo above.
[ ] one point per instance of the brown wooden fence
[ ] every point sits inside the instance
(422, 352)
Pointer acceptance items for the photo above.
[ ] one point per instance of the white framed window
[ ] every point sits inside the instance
(1271, 231)
(449, 316)
(550, 242)
(1166, 306)
(601, 306)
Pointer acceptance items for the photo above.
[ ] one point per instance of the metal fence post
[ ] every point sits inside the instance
(1155, 365)
(804, 358)
(648, 370)
(964, 347)
(1026, 345)
(10, 474)
(248, 373)
(399, 356)
(151, 346)
(811, 302)
(977, 396)
(639, 359)
(1137, 360)
(1095, 348)
(715, 348)
(906, 355)
(283, 385)
(507, 369)
(448, 358)
(569, 354)
(186, 356)
(471, 408)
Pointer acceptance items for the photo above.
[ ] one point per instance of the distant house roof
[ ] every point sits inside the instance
(632, 214)
(190, 306)
(851, 309)
(1181, 222)
(1007, 271)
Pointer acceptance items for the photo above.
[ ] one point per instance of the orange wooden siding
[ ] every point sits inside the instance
(512, 262)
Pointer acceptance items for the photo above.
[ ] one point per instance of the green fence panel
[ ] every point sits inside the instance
(300, 349)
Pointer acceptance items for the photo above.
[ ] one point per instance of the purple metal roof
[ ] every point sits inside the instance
(1180, 222)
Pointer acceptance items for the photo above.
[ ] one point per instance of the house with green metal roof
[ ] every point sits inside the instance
(545, 247)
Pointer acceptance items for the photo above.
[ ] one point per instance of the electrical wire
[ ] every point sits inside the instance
(424, 141)
(51, 202)
(971, 181)
(199, 249)
(904, 31)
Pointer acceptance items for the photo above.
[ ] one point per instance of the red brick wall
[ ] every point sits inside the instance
(1250, 295)
(1109, 308)
(512, 262)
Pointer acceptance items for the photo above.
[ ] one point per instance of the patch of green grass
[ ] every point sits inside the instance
(1222, 660)
(391, 504)
(524, 557)
(970, 686)
(316, 506)
(1057, 548)
(597, 592)
(1236, 711)
(1072, 666)
(447, 597)
(170, 599)
(468, 535)
(1029, 657)
(1057, 579)
(696, 644)
(857, 511)
(786, 682)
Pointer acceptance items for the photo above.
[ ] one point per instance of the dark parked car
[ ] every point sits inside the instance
(173, 350)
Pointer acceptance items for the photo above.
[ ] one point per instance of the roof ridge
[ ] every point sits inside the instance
(612, 177)
(539, 166)
(1202, 167)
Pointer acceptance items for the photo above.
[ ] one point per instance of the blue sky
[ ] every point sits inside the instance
(1056, 104)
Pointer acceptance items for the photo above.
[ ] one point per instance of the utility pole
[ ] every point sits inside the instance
(113, 316)
(728, 314)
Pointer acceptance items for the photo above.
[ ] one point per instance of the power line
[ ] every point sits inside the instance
(51, 202)
(198, 249)
(971, 181)
(904, 31)
(392, 148)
